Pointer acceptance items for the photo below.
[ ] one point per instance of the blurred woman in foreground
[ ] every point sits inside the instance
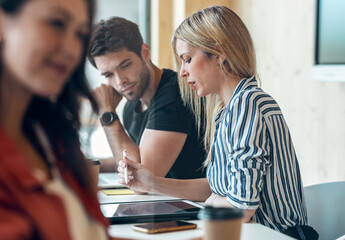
(46, 189)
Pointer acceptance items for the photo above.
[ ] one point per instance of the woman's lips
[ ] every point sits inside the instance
(60, 69)
(193, 85)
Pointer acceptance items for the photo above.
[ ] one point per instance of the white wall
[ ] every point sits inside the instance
(283, 33)
(106, 9)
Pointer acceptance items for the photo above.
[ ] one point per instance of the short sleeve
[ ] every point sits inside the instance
(167, 111)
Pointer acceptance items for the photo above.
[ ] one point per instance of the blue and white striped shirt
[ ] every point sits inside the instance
(254, 163)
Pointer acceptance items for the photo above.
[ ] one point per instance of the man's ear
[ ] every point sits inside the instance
(145, 53)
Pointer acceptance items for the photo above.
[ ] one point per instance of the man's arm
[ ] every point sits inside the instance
(108, 164)
(158, 149)
(118, 141)
(108, 99)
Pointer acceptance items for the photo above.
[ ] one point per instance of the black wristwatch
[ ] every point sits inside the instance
(108, 118)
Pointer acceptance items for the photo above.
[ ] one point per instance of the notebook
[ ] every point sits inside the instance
(151, 211)
(109, 180)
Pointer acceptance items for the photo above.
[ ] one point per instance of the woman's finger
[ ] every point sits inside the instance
(120, 169)
(131, 163)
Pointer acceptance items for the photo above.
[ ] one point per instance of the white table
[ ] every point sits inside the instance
(249, 230)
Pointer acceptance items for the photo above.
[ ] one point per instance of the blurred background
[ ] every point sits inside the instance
(300, 48)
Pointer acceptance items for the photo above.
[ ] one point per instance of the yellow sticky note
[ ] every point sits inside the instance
(118, 191)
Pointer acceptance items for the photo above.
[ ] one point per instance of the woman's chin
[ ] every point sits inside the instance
(201, 94)
(51, 95)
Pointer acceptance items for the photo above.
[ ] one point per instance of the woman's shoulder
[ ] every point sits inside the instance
(254, 97)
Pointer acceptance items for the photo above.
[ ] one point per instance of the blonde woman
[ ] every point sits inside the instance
(251, 161)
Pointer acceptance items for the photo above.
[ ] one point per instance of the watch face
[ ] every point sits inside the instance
(107, 118)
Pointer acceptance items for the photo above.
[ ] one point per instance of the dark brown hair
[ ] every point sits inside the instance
(114, 35)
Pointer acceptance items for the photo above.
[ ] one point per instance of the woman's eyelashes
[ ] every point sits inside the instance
(61, 25)
(188, 60)
(58, 23)
(81, 35)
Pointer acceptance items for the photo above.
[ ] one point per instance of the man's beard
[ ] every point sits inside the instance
(143, 84)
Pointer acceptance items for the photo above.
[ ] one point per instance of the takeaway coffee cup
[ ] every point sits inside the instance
(95, 165)
(221, 223)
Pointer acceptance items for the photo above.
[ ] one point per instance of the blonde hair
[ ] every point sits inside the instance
(219, 32)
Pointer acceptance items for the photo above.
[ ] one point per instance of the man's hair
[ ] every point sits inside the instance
(114, 35)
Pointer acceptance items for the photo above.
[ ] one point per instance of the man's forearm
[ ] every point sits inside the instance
(119, 140)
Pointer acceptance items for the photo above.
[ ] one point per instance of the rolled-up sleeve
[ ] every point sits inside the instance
(248, 151)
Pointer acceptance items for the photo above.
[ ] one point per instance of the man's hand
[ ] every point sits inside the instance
(107, 98)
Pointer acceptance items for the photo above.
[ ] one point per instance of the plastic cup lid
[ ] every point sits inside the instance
(213, 213)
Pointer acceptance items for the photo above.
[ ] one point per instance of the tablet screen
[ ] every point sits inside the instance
(148, 208)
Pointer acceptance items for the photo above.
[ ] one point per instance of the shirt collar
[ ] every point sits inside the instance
(244, 84)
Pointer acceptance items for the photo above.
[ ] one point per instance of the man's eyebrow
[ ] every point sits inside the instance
(104, 73)
(123, 62)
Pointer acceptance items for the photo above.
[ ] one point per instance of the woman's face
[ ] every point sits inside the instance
(201, 72)
(42, 44)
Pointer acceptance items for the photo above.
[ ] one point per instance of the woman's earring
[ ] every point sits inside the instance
(222, 65)
(225, 65)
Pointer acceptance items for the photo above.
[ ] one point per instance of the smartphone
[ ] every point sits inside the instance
(159, 227)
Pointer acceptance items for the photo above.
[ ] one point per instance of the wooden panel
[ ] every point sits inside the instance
(196, 5)
(165, 17)
(162, 29)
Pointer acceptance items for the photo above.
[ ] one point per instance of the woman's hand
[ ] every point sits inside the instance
(139, 178)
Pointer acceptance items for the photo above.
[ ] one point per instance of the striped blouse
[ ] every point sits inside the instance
(254, 164)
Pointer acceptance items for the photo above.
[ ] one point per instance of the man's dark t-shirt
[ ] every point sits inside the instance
(166, 112)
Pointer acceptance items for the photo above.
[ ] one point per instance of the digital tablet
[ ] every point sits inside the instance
(150, 211)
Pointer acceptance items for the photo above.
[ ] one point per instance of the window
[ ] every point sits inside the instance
(330, 41)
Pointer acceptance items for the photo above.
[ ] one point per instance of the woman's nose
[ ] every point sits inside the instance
(184, 72)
